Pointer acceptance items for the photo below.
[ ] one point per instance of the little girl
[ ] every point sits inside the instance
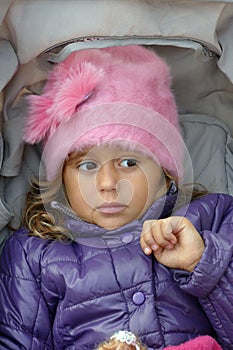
(105, 243)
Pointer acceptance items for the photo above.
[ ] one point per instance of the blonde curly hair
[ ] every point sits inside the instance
(122, 340)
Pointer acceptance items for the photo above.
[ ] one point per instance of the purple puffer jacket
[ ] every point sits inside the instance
(57, 295)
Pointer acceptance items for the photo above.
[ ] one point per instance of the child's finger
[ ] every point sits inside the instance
(162, 231)
(156, 235)
(147, 241)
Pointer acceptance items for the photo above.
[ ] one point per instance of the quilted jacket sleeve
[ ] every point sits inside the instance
(212, 279)
(21, 302)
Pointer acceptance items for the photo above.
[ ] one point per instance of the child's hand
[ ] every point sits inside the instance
(174, 242)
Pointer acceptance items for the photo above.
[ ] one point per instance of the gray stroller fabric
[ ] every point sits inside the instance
(195, 37)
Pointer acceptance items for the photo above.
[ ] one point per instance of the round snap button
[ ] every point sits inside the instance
(138, 298)
(127, 237)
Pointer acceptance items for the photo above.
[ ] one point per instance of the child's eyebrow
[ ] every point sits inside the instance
(76, 156)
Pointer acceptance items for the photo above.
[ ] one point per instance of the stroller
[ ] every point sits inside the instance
(194, 37)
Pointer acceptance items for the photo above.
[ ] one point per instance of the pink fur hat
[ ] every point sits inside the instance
(100, 95)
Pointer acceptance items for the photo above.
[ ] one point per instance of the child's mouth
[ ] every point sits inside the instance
(111, 208)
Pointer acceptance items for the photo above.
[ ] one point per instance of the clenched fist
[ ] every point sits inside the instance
(174, 241)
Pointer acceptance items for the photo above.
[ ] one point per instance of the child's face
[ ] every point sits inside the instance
(110, 186)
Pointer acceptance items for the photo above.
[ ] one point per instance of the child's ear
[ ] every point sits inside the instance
(38, 122)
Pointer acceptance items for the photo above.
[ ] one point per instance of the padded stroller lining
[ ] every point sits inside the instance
(210, 146)
(167, 18)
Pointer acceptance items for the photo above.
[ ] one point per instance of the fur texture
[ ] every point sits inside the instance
(98, 77)
(204, 342)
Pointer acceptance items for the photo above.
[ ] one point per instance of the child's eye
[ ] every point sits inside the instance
(128, 163)
(87, 166)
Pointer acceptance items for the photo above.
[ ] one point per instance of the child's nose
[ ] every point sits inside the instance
(107, 177)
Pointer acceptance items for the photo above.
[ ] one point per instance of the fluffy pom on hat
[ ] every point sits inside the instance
(99, 95)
